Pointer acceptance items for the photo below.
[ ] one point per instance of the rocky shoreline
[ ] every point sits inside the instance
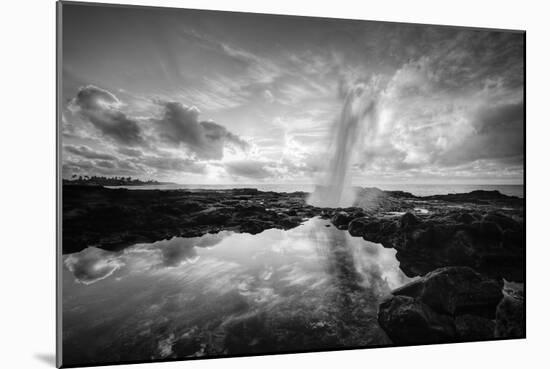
(113, 219)
(453, 304)
(462, 246)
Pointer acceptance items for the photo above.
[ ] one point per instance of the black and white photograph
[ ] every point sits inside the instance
(239, 184)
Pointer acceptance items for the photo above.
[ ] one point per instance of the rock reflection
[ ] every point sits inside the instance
(360, 274)
(339, 265)
(357, 265)
(338, 256)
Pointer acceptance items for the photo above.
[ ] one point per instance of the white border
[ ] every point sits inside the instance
(28, 181)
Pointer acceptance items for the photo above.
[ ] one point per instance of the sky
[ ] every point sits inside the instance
(201, 97)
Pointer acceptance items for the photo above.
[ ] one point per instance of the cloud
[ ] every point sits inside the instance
(482, 141)
(450, 103)
(102, 109)
(86, 152)
(101, 167)
(268, 95)
(105, 164)
(145, 165)
(94, 98)
(167, 163)
(180, 125)
(507, 117)
(77, 167)
(245, 73)
(497, 134)
(248, 168)
(449, 108)
(130, 152)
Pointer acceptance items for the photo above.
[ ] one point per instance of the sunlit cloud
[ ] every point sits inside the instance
(228, 102)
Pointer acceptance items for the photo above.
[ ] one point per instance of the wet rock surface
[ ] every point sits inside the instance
(474, 328)
(407, 320)
(456, 291)
(510, 316)
(451, 304)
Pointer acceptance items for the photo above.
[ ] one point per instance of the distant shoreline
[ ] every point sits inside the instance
(415, 189)
(111, 182)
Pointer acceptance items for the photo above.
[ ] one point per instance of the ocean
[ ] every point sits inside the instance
(415, 189)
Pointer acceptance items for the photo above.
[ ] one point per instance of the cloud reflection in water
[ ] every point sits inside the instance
(311, 285)
(92, 264)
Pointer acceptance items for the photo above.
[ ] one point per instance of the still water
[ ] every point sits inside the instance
(311, 287)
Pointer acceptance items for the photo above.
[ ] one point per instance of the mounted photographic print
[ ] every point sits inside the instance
(235, 184)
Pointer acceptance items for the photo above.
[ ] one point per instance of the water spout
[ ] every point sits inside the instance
(358, 115)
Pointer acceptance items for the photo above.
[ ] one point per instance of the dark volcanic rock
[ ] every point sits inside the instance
(510, 318)
(357, 227)
(408, 220)
(477, 196)
(115, 218)
(474, 328)
(254, 226)
(465, 218)
(490, 242)
(341, 219)
(409, 321)
(448, 304)
(214, 216)
(456, 291)
(373, 229)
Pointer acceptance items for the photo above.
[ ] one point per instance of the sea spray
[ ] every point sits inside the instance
(359, 113)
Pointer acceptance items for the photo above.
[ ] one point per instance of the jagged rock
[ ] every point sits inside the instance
(474, 328)
(455, 291)
(357, 227)
(452, 303)
(254, 226)
(341, 220)
(492, 243)
(465, 218)
(476, 197)
(212, 217)
(510, 318)
(409, 321)
(408, 220)
(503, 221)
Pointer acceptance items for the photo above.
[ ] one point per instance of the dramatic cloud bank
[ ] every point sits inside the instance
(176, 142)
(180, 125)
(101, 108)
(222, 99)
